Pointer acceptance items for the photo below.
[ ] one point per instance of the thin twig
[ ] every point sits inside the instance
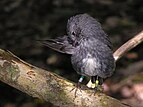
(128, 46)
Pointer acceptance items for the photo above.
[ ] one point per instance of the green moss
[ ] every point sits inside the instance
(10, 71)
(14, 70)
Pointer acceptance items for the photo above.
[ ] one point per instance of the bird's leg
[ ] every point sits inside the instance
(98, 83)
(80, 81)
(78, 85)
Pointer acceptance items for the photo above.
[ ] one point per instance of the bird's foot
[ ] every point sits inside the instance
(76, 88)
(98, 88)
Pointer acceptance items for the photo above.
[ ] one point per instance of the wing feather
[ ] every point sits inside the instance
(60, 44)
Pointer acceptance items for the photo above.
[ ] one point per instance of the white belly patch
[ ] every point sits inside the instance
(89, 65)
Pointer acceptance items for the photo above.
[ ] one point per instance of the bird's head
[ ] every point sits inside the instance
(81, 27)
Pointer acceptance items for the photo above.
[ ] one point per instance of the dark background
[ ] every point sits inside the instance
(22, 22)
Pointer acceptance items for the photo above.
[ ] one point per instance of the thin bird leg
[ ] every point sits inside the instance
(98, 84)
(78, 85)
(80, 79)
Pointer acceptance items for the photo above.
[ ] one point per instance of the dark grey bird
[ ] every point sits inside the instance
(89, 46)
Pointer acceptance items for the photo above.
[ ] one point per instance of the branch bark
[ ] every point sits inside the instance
(128, 46)
(53, 88)
(49, 86)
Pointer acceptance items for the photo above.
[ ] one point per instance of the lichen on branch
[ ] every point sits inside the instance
(48, 86)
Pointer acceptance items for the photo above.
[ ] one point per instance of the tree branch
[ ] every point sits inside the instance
(53, 88)
(128, 46)
(49, 86)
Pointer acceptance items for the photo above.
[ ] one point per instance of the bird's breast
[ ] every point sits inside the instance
(89, 65)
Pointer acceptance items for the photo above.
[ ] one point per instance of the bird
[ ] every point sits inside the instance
(89, 47)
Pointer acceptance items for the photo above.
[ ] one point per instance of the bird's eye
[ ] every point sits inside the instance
(73, 33)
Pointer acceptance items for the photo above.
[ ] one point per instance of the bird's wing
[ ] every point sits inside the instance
(60, 44)
(103, 37)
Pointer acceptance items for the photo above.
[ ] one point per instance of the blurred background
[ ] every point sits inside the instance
(22, 22)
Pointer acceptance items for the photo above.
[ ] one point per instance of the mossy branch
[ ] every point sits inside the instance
(49, 86)
(53, 88)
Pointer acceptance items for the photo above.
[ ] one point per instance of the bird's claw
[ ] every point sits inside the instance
(76, 88)
(99, 88)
